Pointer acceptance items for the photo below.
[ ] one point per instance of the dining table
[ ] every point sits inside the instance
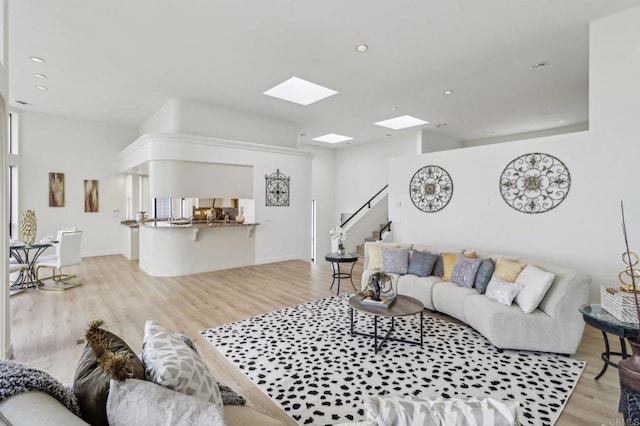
(28, 254)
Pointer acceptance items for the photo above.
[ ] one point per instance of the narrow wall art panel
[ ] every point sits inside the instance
(90, 196)
(56, 189)
(277, 189)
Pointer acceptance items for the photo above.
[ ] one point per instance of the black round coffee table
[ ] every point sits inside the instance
(336, 259)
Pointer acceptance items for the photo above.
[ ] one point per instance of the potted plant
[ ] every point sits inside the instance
(339, 235)
(629, 368)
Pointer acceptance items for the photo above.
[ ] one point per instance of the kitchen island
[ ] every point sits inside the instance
(180, 247)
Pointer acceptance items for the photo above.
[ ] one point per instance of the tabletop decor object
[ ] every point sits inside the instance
(339, 235)
(28, 227)
(535, 183)
(240, 216)
(379, 290)
(431, 189)
(277, 189)
(629, 369)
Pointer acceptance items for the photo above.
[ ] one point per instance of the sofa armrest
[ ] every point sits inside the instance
(37, 408)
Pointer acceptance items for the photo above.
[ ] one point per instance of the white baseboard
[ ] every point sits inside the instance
(264, 260)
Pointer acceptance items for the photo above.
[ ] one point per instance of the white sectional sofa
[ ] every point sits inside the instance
(554, 326)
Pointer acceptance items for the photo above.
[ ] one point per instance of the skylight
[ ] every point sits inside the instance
(332, 138)
(401, 122)
(300, 91)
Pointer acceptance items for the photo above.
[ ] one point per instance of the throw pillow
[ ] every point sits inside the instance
(536, 282)
(471, 254)
(485, 271)
(91, 381)
(375, 255)
(395, 260)
(411, 410)
(464, 271)
(448, 262)
(502, 291)
(170, 362)
(438, 267)
(421, 263)
(508, 270)
(137, 402)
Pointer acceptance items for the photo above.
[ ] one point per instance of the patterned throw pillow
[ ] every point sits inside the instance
(395, 260)
(485, 271)
(375, 254)
(170, 362)
(464, 272)
(137, 402)
(502, 291)
(421, 263)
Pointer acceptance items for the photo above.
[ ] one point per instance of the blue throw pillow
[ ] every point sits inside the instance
(422, 263)
(438, 268)
(485, 271)
(464, 271)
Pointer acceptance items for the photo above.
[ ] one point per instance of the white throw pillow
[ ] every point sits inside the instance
(502, 291)
(139, 402)
(411, 410)
(536, 282)
(170, 362)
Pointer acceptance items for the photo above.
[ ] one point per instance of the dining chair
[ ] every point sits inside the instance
(68, 253)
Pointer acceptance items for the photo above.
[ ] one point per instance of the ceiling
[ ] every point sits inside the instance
(118, 61)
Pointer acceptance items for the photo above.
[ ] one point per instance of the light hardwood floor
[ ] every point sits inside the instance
(46, 326)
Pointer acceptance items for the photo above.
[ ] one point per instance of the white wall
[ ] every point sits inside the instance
(431, 142)
(81, 150)
(583, 232)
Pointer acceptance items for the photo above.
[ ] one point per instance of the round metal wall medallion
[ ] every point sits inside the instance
(535, 183)
(431, 189)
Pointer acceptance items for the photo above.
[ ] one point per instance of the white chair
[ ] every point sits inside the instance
(67, 254)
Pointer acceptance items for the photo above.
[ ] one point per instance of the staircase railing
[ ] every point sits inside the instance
(366, 204)
(386, 228)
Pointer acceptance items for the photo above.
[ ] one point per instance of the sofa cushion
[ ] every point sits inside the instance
(535, 283)
(411, 410)
(91, 381)
(448, 262)
(419, 287)
(464, 272)
(508, 270)
(421, 263)
(134, 402)
(448, 297)
(395, 260)
(484, 274)
(375, 254)
(501, 291)
(37, 408)
(170, 362)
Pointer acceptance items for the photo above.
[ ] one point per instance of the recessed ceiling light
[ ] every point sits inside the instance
(23, 103)
(561, 121)
(394, 108)
(402, 122)
(441, 125)
(448, 92)
(42, 88)
(300, 91)
(539, 65)
(388, 134)
(38, 75)
(36, 59)
(491, 133)
(332, 138)
(362, 48)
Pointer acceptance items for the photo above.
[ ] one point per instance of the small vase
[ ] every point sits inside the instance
(342, 250)
(629, 373)
(28, 227)
(240, 217)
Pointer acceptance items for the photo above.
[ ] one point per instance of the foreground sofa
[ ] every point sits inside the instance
(554, 326)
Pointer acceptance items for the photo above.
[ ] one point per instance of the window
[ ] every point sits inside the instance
(13, 201)
(12, 132)
(162, 208)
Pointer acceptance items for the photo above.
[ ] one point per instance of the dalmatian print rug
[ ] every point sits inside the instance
(305, 359)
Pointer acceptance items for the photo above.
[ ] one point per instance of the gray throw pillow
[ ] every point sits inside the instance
(485, 271)
(421, 263)
(438, 267)
(395, 260)
(464, 271)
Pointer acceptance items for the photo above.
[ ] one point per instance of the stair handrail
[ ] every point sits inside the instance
(366, 204)
(386, 228)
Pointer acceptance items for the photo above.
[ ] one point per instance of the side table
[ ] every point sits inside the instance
(336, 259)
(597, 317)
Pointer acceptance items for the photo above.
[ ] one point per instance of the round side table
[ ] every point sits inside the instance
(336, 259)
